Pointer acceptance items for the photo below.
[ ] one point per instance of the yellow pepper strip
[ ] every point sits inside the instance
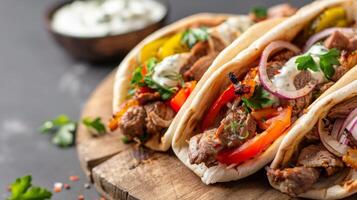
(172, 46)
(151, 49)
(331, 17)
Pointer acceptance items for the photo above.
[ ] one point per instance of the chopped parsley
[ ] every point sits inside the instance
(137, 76)
(259, 100)
(139, 80)
(193, 35)
(328, 60)
(62, 128)
(165, 93)
(126, 140)
(259, 12)
(95, 126)
(306, 62)
(22, 189)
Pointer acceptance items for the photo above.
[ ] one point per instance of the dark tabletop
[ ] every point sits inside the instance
(38, 81)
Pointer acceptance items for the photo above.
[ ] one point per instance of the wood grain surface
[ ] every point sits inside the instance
(121, 171)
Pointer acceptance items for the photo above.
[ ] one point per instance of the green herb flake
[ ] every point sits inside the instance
(306, 62)
(126, 140)
(95, 126)
(150, 64)
(259, 12)
(259, 99)
(64, 137)
(328, 61)
(165, 93)
(62, 129)
(22, 189)
(194, 35)
(137, 76)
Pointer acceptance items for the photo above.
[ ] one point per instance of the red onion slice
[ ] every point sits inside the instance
(352, 127)
(325, 33)
(331, 143)
(266, 82)
(337, 128)
(349, 120)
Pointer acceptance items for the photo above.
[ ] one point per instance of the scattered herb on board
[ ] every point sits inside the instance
(259, 99)
(95, 126)
(22, 189)
(193, 35)
(62, 128)
(259, 12)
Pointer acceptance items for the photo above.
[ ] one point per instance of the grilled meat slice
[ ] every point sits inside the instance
(342, 109)
(236, 128)
(293, 181)
(146, 97)
(203, 148)
(132, 123)
(158, 117)
(317, 156)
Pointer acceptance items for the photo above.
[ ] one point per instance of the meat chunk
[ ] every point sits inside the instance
(302, 79)
(298, 105)
(293, 181)
(352, 46)
(340, 41)
(146, 97)
(317, 156)
(199, 50)
(342, 109)
(273, 68)
(237, 127)
(281, 10)
(132, 123)
(203, 148)
(337, 40)
(200, 67)
(158, 117)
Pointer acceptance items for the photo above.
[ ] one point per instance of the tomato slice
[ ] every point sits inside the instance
(180, 98)
(227, 96)
(259, 143)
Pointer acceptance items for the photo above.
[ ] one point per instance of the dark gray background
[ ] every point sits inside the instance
(38, 81)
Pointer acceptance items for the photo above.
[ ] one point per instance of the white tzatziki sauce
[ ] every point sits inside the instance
(285, 79)
(97, 18)
(231, 28)
(167, 71)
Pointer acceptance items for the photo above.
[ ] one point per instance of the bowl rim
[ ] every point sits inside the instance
(49, 12)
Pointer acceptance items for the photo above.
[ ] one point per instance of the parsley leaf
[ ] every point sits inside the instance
(95, 126)
(328, 60)
(63, 129)
(259, 99)
(64, 137)
(259, 12)
(193, 35)
(165, 93)
(22, 189)
(137, 76)
(306, 62)
(150, 64)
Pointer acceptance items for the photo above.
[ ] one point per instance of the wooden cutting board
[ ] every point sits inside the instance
(119, 171)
